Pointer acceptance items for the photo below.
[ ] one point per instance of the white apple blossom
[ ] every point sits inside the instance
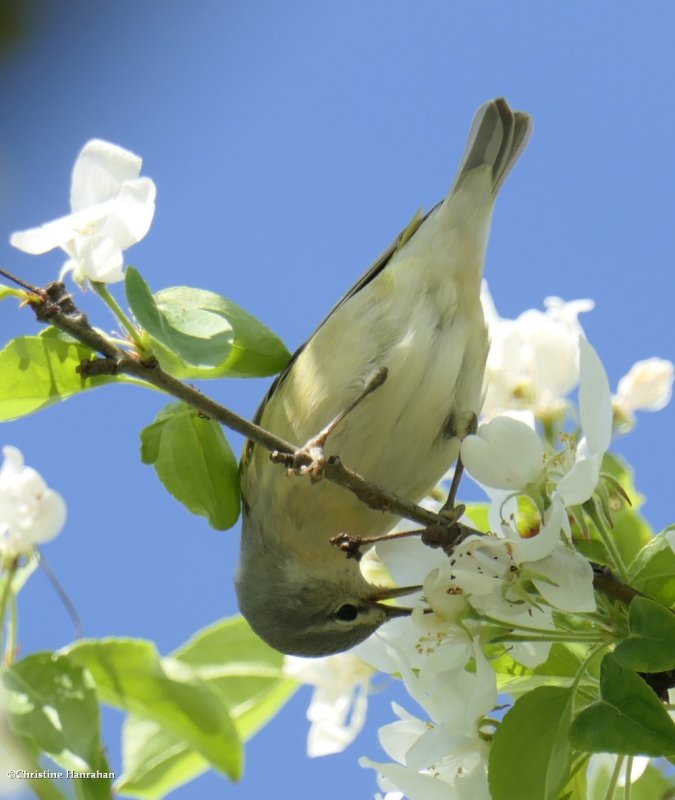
(504, 587)
(337, 711)
(112, 209)
(647, 386)
(444, 757)
(533, 361)
(507, 454)
(30, 512)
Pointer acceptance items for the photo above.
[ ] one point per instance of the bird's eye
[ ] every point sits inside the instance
(347, 613)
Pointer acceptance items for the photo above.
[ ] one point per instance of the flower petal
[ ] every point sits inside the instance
(579, 484)
(99, 258)
(99, 172)
(132, 213)
(647, 386)
(548, 538)
(595, 400)
(59, 232)
(571, 574)
(415, 785)
(504, 454)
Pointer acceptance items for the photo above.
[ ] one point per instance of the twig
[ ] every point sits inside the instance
(605, 581)
(19, 282)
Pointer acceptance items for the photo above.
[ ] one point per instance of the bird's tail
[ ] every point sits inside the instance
(498, 136)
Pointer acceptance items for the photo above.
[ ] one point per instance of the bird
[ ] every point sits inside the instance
(413, 325)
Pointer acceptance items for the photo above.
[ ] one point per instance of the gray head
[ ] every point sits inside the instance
(312, 612)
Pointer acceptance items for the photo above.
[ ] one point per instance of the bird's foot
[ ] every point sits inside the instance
(310, 458)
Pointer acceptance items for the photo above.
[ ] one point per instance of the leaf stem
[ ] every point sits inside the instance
(629, 769)
(613, 781)
(517, 627)
(608, 540)
(551, 637)
(102, 291)
(6, 645)
(12, 628)
(584, 665)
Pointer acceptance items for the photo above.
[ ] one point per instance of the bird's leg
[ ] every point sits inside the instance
(310, 459)
(351, 545)
(449, 509)
(444, 535)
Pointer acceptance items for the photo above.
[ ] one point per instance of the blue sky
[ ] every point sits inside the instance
(290, 142)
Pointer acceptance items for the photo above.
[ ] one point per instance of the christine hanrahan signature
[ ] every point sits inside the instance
(50, 774)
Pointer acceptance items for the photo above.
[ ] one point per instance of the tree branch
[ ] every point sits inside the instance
(54, 306)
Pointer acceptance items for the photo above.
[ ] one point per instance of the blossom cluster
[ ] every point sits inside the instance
(30, 512)
(537, 474)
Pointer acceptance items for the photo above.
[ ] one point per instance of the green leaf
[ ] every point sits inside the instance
(630, 531)
(249, 677)
(560, 669)
(195, 462)
(652, 785)
(651, 644)
(51, 702)
(255, 350)
(653, 570)
(478, 514)
(37, 371)
(577, 787)
(156, 761)
(197, 336)
(623, 473)
(129, 674)
(629, 718)
(530, 753)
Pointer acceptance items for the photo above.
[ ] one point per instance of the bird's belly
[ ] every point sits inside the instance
(399, 436)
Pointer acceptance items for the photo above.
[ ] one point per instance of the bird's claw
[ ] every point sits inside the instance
(309, 460)
(348, 544)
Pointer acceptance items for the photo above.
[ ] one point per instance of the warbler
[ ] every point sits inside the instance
(416, 318)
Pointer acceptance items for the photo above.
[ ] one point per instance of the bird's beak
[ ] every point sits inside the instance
(388, 593)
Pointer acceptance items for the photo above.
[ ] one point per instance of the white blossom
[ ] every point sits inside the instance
(444, 757)
(647, 386)
(507, 454)
(595, 408)
(533, 361)
(337, 711)
(112, 209)
(30, 512)
(518, 576)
